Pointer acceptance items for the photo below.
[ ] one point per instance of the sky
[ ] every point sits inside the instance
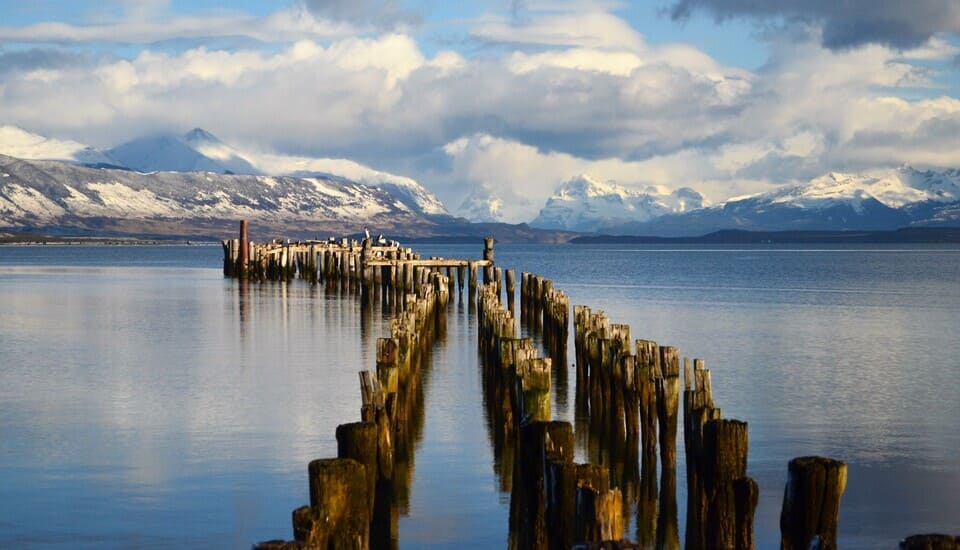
(506, 99)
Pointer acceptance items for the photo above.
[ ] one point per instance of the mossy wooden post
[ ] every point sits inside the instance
(533, 377)
(359, 441)
(811, 502)
(338, 516)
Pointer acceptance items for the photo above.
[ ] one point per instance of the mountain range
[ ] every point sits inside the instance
(201, 151)
(874, 200)
(587, 205)
(196, 184)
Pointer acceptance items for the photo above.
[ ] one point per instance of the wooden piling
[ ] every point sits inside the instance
(338, 515)
(359, 441)
(488, 271)
(668, 399)
(811, 502)
(729, 522)
(244, 250)
(528, 504)
(510, 284)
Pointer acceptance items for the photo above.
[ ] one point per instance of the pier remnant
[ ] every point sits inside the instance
(811, 502)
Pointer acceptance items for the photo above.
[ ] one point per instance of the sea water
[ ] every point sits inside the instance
(146, 401)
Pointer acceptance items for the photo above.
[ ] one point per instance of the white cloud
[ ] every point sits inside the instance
(582, 93)
(287, 25)
(586, 29)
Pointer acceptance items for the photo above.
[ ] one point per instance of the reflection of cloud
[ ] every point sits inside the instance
(149, 374)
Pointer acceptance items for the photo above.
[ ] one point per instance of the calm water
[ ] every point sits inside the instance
(147, 402)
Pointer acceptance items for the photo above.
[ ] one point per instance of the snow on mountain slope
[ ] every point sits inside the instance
(43, 193)
(228, 158)
(481, 207)
(170, 153)
(17, 142)
(586, 204)
(895, 188)
(883, 199)
(405, 189)
(199, 150)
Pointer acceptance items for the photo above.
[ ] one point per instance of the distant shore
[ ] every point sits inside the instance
(913, 235)
(26, 239)
(918, 235)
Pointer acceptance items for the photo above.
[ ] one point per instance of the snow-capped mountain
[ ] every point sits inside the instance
(201, 151)
(874, 200)
(225, 156)
(898, 188)
(586, 204)
(481, 207)
(17, 142)
(57, 194)
(406, 189)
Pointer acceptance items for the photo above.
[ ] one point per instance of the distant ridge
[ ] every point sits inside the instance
(914, 235)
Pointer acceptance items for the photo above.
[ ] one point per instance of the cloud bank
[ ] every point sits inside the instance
(564, 93)
(848, 23)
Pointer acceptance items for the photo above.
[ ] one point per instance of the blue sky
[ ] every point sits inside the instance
(506, 99)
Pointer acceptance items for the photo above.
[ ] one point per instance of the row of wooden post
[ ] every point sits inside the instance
(554, 502)
(388, 272)
(355, 497)
(613, 382)
(545, 311)
(631, 400)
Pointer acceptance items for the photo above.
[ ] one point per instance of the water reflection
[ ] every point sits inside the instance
(139, 406)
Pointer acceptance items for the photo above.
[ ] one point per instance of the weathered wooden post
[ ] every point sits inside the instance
(668, 400)
(732, 495)
(488, 256)
(528, 504)
(244, 250)
(472, 282)
(358, 440)
(599, 515)
(338, 516)
(511, 290)
(533, 378)
(811, 502)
